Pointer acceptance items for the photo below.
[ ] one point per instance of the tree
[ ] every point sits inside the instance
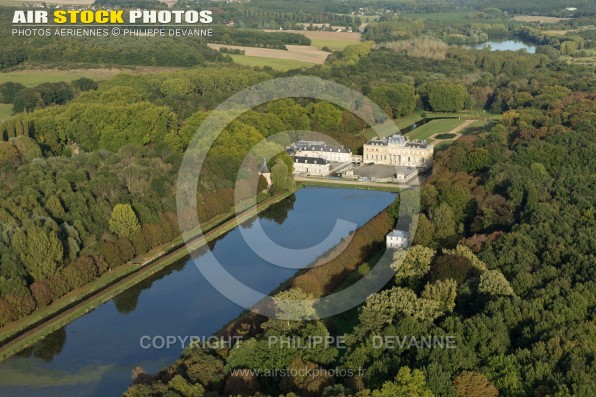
(27, 148)
(307, 382)
(294, 305)
(123, 221)
(397, 99)
(443, 96)
(452, 267)
(324, 117)
(281, 179)
(55, 93)
(40, 250)
(41, 293)
(27, 100)
(9, 90)
(443, 220)
(424, 231)
(182, 387)
(474, 384)
(442, 291)
(492, 282)
(85, 84)
(414, 262)
(407, 383)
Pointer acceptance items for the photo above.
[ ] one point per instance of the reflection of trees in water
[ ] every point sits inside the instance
(47, 348)
(127, 301)
(278, 212)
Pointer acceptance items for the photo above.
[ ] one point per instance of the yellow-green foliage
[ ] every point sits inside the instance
(352, 54)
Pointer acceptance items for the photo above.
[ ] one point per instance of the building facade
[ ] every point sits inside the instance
(320, 149)
(397, 239)
(398, 150)
(311, 166)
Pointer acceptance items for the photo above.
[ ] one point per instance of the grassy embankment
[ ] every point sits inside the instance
(440, 126)
(332, 271)
(275, 64)
(28, 330)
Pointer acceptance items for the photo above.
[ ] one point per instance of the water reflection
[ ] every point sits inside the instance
(94, 355)
(53, 345)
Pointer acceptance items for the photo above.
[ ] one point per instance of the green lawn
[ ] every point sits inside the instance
(433, 127)
(31, 78)
(5, 111)
(333, 44)
(277, 64)
(388, 128)
(478, 126)
(404, 122)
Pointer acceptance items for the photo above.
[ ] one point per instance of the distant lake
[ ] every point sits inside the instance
(504, 45)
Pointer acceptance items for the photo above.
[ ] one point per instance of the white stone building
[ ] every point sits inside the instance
(311, 166)
(397, 150)
(320, 149)
(397, 239)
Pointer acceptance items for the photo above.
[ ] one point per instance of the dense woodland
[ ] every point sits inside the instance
(503, 255)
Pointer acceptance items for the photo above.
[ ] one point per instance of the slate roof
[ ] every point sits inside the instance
(309, 160)
(399, 233)
(320, 146)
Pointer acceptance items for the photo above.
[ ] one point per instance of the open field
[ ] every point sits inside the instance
(33, 77)
(301, 53)
(564, 32)
(276, 64)
(434, 127)
(5, 111)
(538, 18)
(333, 40)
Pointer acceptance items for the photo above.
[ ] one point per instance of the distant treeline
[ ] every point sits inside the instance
(273, 14)
(146, 51)
(234, 51)
(144, 4)
(46, 94)
(256, 38)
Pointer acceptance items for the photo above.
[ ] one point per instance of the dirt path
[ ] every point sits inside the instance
(352, 183)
